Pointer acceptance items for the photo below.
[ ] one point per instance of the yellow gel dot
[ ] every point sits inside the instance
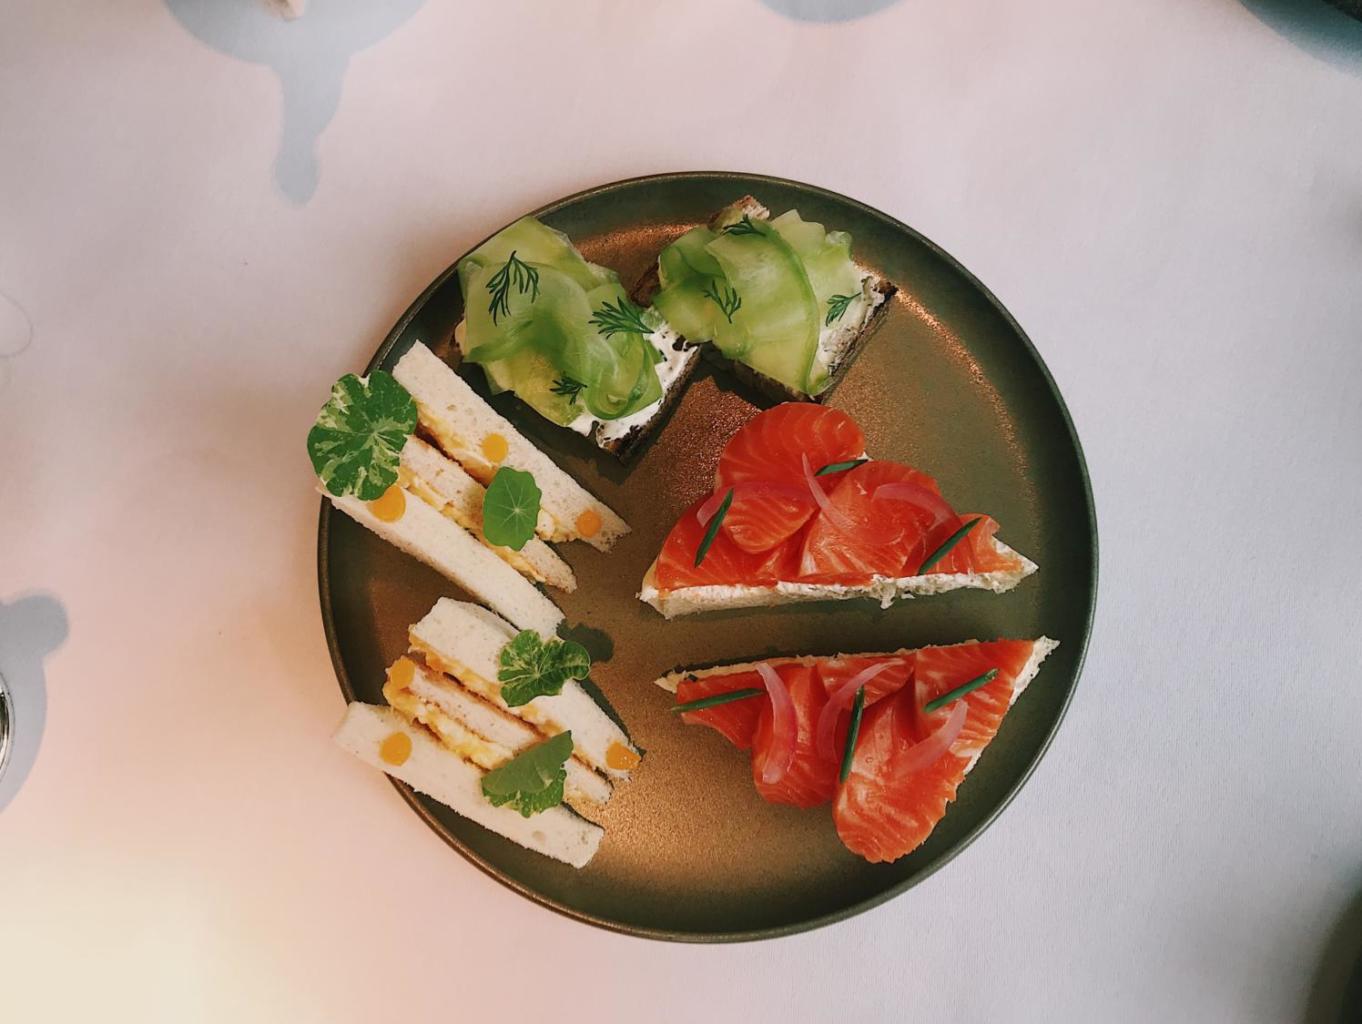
(495, 447)
(395, 749)
(389, 508)
(620, 757)
(589, 523)
(402, 672)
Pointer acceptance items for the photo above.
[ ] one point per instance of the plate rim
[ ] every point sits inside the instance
(889, 893)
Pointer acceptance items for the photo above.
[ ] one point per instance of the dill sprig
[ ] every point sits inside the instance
(623, 318)
(742, 227)
(516, 273)
(725, 297)
(568, 388)
(837, 307)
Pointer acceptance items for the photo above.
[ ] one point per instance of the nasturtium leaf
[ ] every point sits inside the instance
(356, 443)
(529, 667)
(531, 781)
(510, 508)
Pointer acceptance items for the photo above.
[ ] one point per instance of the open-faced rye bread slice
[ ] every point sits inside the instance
(841, 342)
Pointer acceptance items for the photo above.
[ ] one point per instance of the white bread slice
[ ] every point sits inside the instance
(454, 782)
(479, 732)
(689, 600)
(460, 421)
(443, 484)
(465, 641)
(1040, 650)
(448, 548)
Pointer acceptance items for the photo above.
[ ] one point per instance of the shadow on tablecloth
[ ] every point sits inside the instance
(827, 10)
(310, 56)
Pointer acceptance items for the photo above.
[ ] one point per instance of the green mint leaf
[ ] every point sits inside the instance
(356, 443)
(529, 667)
(510, 508)
(531, 781)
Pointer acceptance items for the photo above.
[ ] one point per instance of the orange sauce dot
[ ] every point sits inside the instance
(395, 749)
(620, 758)
(402, 672)
(589, 523)
(389, 508)
(495, 447)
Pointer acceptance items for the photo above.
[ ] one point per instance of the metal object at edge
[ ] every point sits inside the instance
(6, 726)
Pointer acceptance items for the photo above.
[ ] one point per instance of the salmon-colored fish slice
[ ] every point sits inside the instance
(883, 811)
(869, 533)
(736, 721)
(975, 552)
(746, 724)
(833, 673)
(811, 780)
(869, 529)
(770, 449)
(724, 562)
(763, 516)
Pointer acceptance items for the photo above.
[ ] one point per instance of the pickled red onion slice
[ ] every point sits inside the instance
(835, 515)
(706, 511)
(924, 754)
(784, 726)
(838, 702)
(922, 497)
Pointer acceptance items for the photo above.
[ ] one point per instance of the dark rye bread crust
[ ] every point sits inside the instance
(626, 447)
(649, 284)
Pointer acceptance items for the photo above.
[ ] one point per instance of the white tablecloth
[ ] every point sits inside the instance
(208, 213)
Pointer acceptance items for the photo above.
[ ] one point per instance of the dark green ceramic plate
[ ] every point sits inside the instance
(949, 383)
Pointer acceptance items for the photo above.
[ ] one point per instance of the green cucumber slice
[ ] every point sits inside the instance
(688, 273)
(689, 310)
(775, 330)
(827, 261)
(632, 386)
(542, 345)
(546, 321)
(542, 386)
(826, 257)
(537, 243)
(688, 257)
